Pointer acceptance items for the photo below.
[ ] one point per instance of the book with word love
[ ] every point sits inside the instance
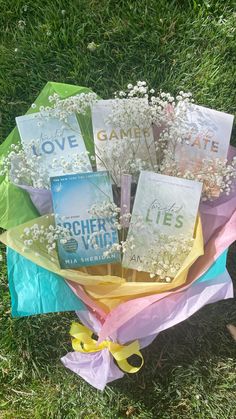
(164, 207)
(73, 197)
(122, 138)
(52, 139)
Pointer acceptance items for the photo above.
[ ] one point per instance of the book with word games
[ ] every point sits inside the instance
(73, 197)
(164, 206)
(113, 131)
(52, 138)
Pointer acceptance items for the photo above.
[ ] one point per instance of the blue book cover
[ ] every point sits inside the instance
(73, 196)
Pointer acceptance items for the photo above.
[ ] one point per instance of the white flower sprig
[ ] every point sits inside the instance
(24, 168)
(62, 108)
(140, 89)
(159, 108)
(112, 214)
(27, 169)
(217, 175)
(131, 112)
(139, 107)
(120, 158)
(48, 236)
(105, 209)
(78, 164)
(123, 247)
(166, 256)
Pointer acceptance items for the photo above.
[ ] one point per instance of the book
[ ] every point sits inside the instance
(73, 196)
(109, 135)
(52, 138)
(164, 206)
(208, 136)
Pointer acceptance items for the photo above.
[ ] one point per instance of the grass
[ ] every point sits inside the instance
(190, 369)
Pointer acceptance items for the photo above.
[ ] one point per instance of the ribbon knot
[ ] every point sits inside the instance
(82, 341)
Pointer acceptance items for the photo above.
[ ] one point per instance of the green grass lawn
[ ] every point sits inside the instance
(190, 370)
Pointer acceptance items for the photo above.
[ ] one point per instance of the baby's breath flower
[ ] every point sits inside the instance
(62, 108)
(165, 256)
(24, 168)
(92, 46)
(163, 111)
(49, 236)
(217, 175)
(120, 157)
(105, 209)
(79, 163)
(21, 25)
(111, 213)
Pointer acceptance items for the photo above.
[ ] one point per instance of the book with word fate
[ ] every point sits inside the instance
(163, 205)
(208, 136)
(52, 138)
(73, 196)
(116, 142)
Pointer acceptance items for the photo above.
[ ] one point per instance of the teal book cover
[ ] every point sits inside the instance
(73, 196)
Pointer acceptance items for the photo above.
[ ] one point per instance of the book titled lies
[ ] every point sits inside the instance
(110, 135)
(73, 196)
(51, 138)
(163, 205)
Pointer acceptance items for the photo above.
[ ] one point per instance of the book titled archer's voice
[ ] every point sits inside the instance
(73, 197)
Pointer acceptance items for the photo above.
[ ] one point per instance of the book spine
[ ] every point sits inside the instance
(126, 181)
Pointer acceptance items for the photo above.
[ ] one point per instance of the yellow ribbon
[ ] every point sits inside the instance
(82, 341)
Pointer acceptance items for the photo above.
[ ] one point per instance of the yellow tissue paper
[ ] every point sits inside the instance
(108, 285)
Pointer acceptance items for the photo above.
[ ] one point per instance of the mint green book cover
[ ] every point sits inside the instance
(73, 197)
(164, 205)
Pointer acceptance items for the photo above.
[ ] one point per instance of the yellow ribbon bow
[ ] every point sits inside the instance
(82, 341)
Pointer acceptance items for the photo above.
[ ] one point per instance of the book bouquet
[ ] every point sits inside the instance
(136, 195)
